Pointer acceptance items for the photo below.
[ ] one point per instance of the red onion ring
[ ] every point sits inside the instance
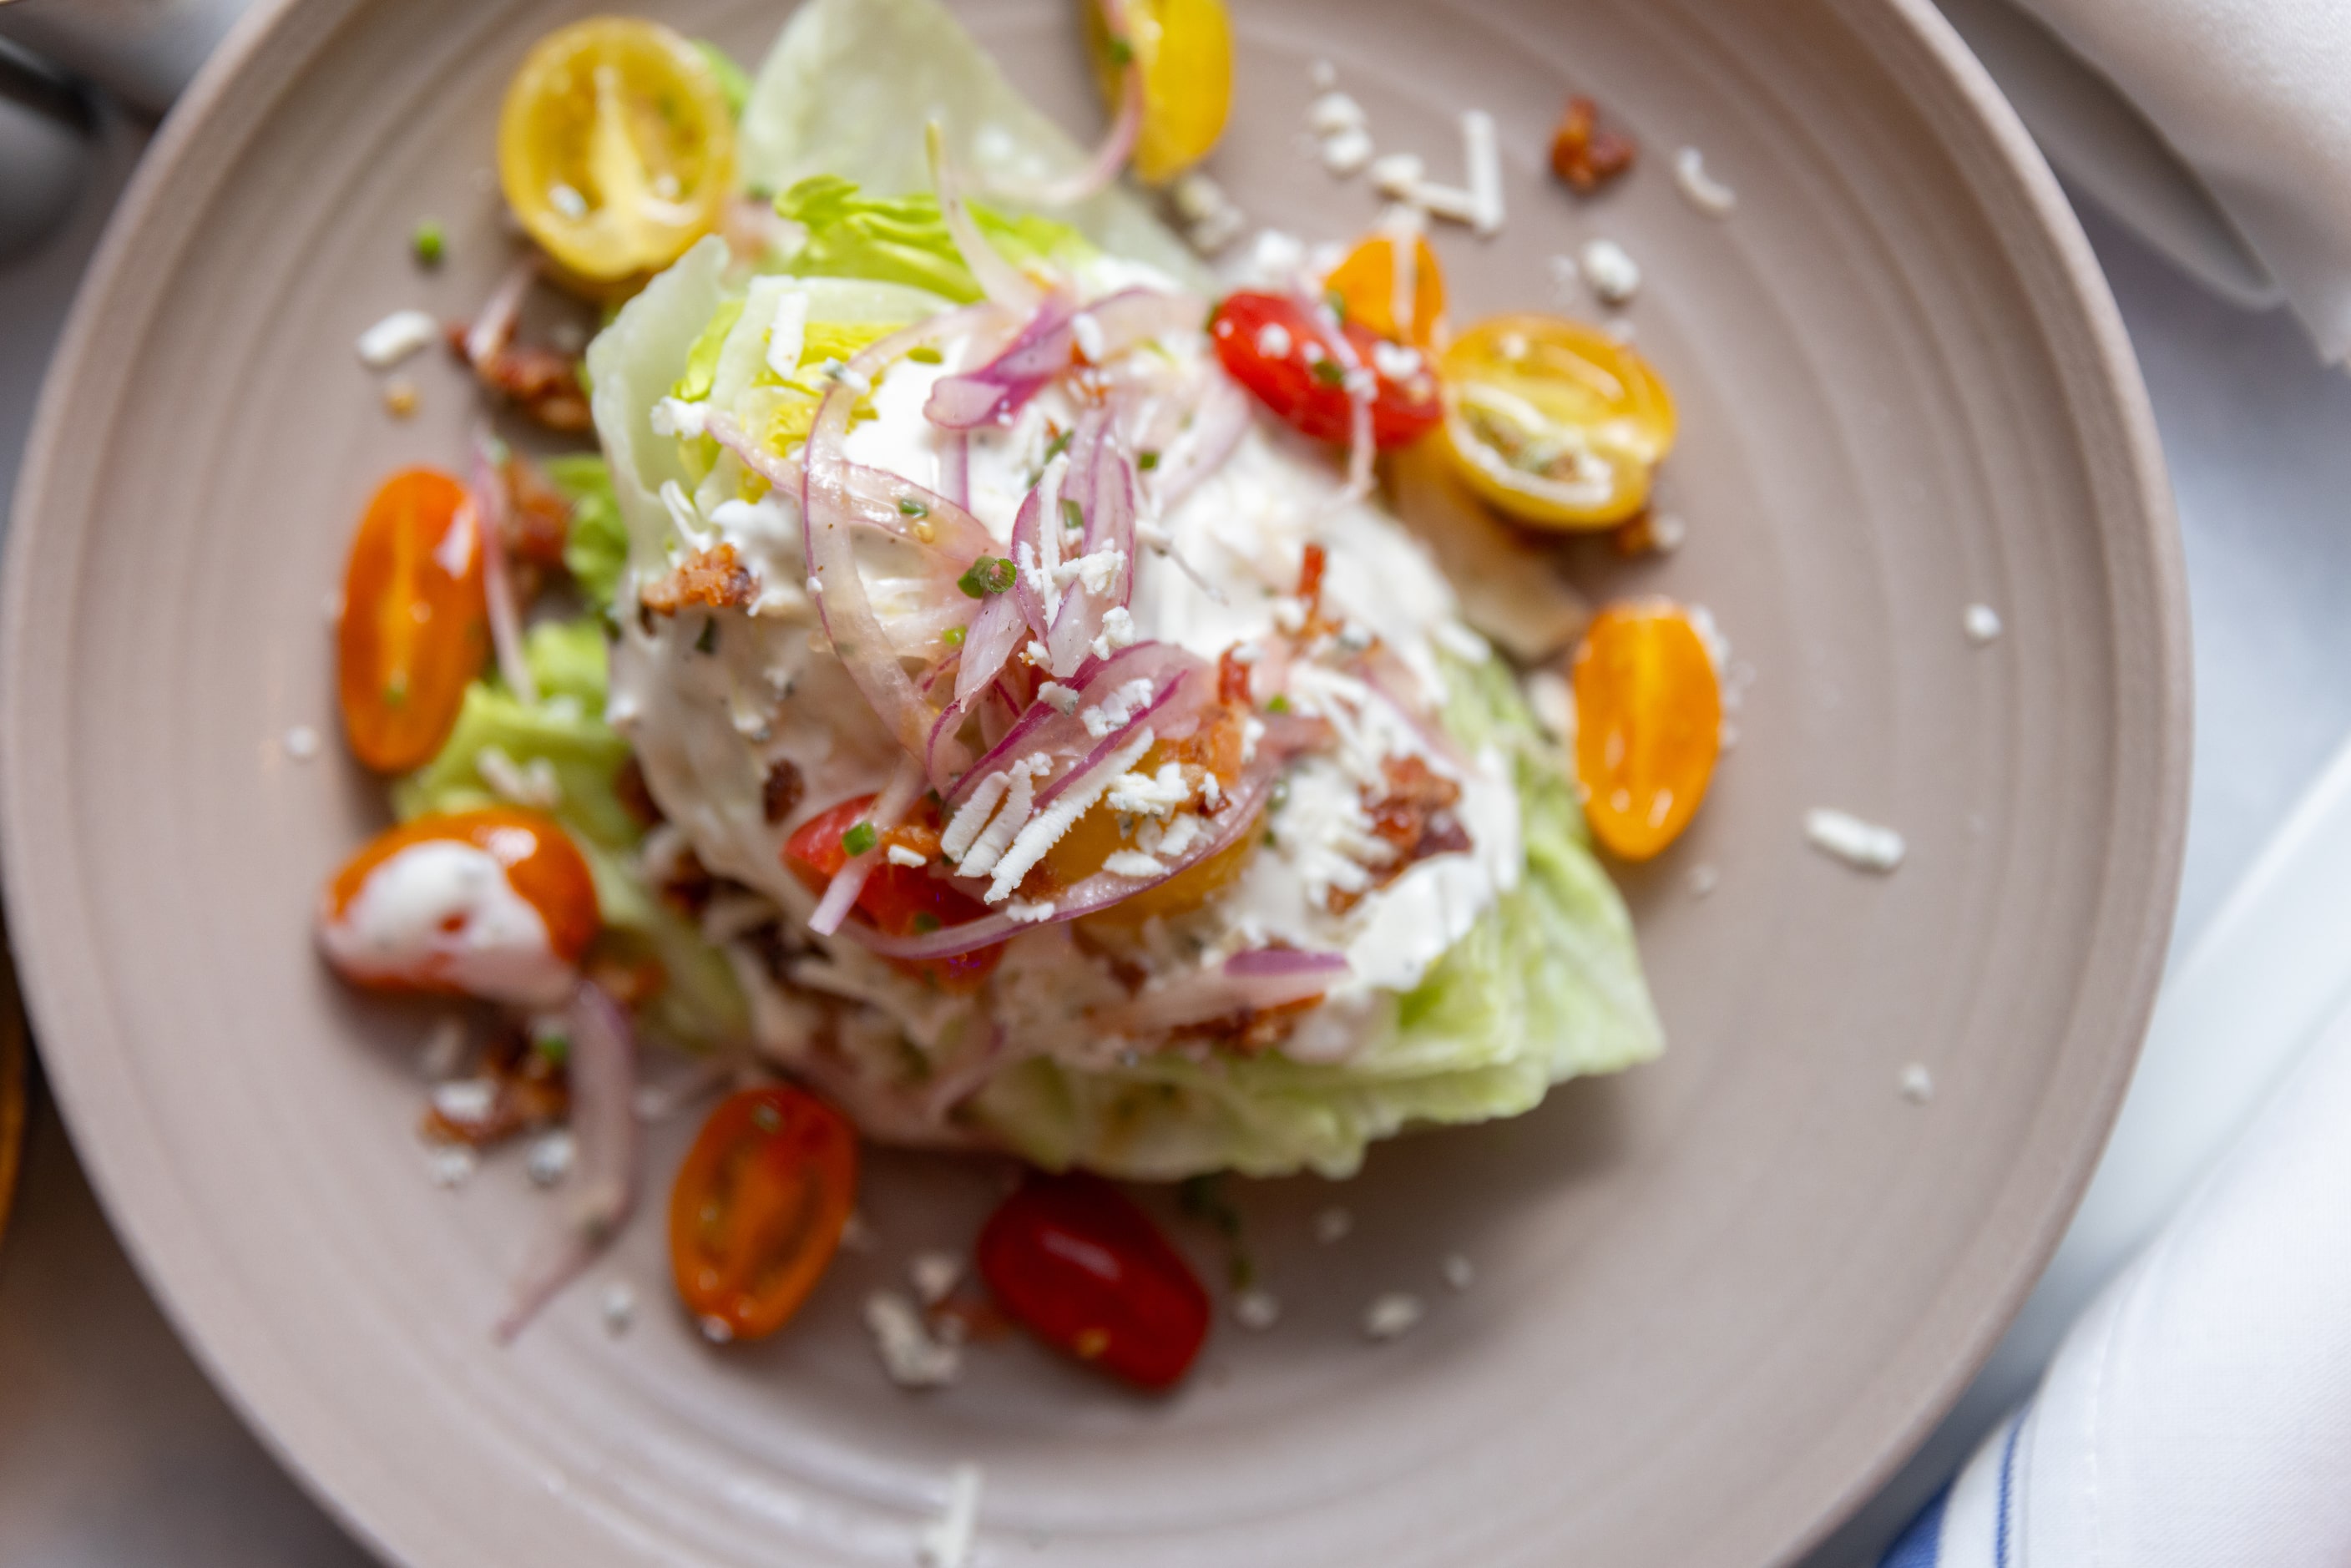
(1117, 144)
(605, 1137)
(999, 281)
(1043, 729)
(489, 497)
(1048, 347)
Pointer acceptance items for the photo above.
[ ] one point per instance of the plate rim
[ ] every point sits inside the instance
(208, 130)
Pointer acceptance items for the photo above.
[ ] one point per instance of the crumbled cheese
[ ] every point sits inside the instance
(1333, 1224)
(899, 855)
(301, 743)
(1484, 163)
(1042, 834)
(946, 1542)
(534, 784)
(1197, 196)
(1098, 570)
(909, 1354)
(1151, 795)
(1168, 840)
(395, 338)
(1037, 654)
(465, 1102)
(999, 834)
(1030, 914)
(933, 1275)
(1335, 112)
(1702, 189)
(1088, 334)
(1134, 863)
(1061, 698)
(1274, 341)
(1118, 709)
(1211, 235)
(963, 830)
(1388, 1316)
(620, 1307)
(675, 416)
(1117, 631)
(1853, 840)
(1257, 1310)
(450, 1165)
(1398, 175)
(1346, 153)
(550, 1157)
(1396, 362)
(1982, 623)
(1917, 1084)
(1703, 879)
(1610, 271)
(1252, 731)
(1459, 1272)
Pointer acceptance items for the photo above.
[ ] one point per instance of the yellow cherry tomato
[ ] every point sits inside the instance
(1648, 722)
(1403, 310)
(1186, 49)
(616, 147)
(1554, 422)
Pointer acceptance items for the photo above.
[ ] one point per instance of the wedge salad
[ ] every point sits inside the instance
(1000, 681)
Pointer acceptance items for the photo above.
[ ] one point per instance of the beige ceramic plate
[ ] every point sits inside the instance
(1714, 1299)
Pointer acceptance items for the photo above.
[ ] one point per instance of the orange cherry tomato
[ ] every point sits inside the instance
(1648, 722)
(900, 900)
(1401, 309)
(415, 626)
(758, 1208)
(404, 915)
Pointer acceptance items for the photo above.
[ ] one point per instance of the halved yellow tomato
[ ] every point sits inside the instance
(1554, 422)
(1648, 725)
(1186, 49)
(1404, 309)
(616, 146)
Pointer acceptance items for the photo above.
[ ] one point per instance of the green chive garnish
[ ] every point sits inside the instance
(430, 243)
(909, 507)
(988, 574)
(923, 354)
(952, 636)
(1146, 460)
(1330, 373)
(1073, 516)
(859, 839)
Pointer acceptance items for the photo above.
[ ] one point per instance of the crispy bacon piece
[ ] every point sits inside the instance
(1251, 1031)
(781, 791)
(531, 1090)
(635, 796)
(1585, 153)
(1413, 816)
(543, 382)
(538, 519)
(716, 579)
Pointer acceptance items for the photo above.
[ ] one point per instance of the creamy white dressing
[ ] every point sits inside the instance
(709, 726)
(443, 912)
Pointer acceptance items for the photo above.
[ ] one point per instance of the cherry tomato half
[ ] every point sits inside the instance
(415, 626)
(1089, 1274)
(900, 900)
(441, 905)
(1186, 49)
(1405, 309)
(1555, 422)
(616, 146)
(1648, 722)
(758, 1208)
(1279, 348)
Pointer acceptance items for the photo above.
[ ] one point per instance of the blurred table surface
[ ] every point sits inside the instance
(116, 1452)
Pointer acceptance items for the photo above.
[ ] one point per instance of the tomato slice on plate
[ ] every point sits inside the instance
(1648, 724)
(1282, 350)
(758, 1208)
(616, 147)
(415, 625)
(899, 900)
(1087, 1271)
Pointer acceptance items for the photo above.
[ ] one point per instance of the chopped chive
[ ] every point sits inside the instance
(1146, 460)
(1269, 838)
(860, 839)
(708, 642)
(988, 574)
(952, 636)
(1279, 704)
(909, 507)
(555, 1048)
(1059, 445)
(430, 243)
(1121, 53)
(1330, 373)
(926, 922)
(1338, 304)
(923, 354)
(1073, 516)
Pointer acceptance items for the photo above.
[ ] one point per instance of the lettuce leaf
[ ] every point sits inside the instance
(903, 239)
(851, 85)
(596, 548)
(1545, 988)
(701, 1006)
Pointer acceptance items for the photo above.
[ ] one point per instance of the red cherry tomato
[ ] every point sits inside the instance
(758, 1208)
(1279, 348)
(415, 625)
(900, 900)
(1087, 1272)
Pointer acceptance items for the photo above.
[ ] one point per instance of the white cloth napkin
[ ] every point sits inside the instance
(2200, 1412)
(2256, 95)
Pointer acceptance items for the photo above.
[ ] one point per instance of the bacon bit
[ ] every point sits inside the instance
(631, 972)
(538, 519)
(1414, 816)
(921, 837)
(532, 1090)
(976, 1318)
(1251, 1031)
(1633, 539)
(543, 382)
(1583, 153)
(689, 886)
(635, 797)
(1309, 580)
(782, 791)
(1232, 678)
(716, 578)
